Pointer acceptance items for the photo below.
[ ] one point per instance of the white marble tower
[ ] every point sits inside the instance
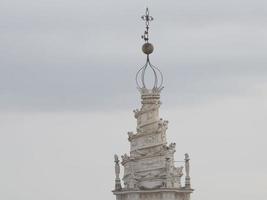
(149, 169)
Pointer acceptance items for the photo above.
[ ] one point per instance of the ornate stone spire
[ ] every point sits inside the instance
(141, 75)
(149, 168)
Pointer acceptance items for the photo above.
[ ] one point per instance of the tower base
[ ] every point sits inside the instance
(157, 194)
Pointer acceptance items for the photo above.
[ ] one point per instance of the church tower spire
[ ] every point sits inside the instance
(149, 168)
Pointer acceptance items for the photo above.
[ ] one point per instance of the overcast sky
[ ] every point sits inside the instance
(67, 92)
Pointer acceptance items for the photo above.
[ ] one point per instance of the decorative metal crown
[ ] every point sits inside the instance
(148, 49)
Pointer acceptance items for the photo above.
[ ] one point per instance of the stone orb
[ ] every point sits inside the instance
(147, 48)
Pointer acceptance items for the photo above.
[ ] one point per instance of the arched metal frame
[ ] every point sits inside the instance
(140, 76)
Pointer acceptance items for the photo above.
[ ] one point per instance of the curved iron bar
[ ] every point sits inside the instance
(143, 75)
(155, 75)
(137, 76)
(161, 76)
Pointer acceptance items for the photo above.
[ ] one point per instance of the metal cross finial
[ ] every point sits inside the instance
(147, 18)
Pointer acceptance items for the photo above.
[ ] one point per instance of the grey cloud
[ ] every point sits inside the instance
(84, 55)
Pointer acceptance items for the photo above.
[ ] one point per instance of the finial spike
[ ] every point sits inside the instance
(147, 18)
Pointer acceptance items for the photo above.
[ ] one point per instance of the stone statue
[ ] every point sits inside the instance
(170, 150)
(162, 125)
(131, 182)
(136, 113)
(172, 146)
(178, 173)
(125, 158)
(130, 135)
(117, 173)
(187, 164)
(187, 168)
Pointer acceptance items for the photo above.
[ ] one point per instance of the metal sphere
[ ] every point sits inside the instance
(147, 48)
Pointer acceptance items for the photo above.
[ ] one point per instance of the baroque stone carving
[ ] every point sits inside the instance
(187, 167)
(149, 171)
(130, 136)
(178, 173)
(117, 173)
(149, 152)
(125, 158)
(162, 125)
(150, 165)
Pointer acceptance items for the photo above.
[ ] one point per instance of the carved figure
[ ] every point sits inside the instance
(136, 113)
(125, 158)
(187, 164)
(170, 150)
(160, 124)
(162, 127)
(117, 173)
(165, 124)
(130, 136)
(178, 173)
(187, 168)
(131, 182)
(168, 165)
(117, 166)
(172, 146)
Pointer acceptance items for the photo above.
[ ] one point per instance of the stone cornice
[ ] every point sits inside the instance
(176, 190)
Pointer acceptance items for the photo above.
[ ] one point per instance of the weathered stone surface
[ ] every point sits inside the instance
(149, 170)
